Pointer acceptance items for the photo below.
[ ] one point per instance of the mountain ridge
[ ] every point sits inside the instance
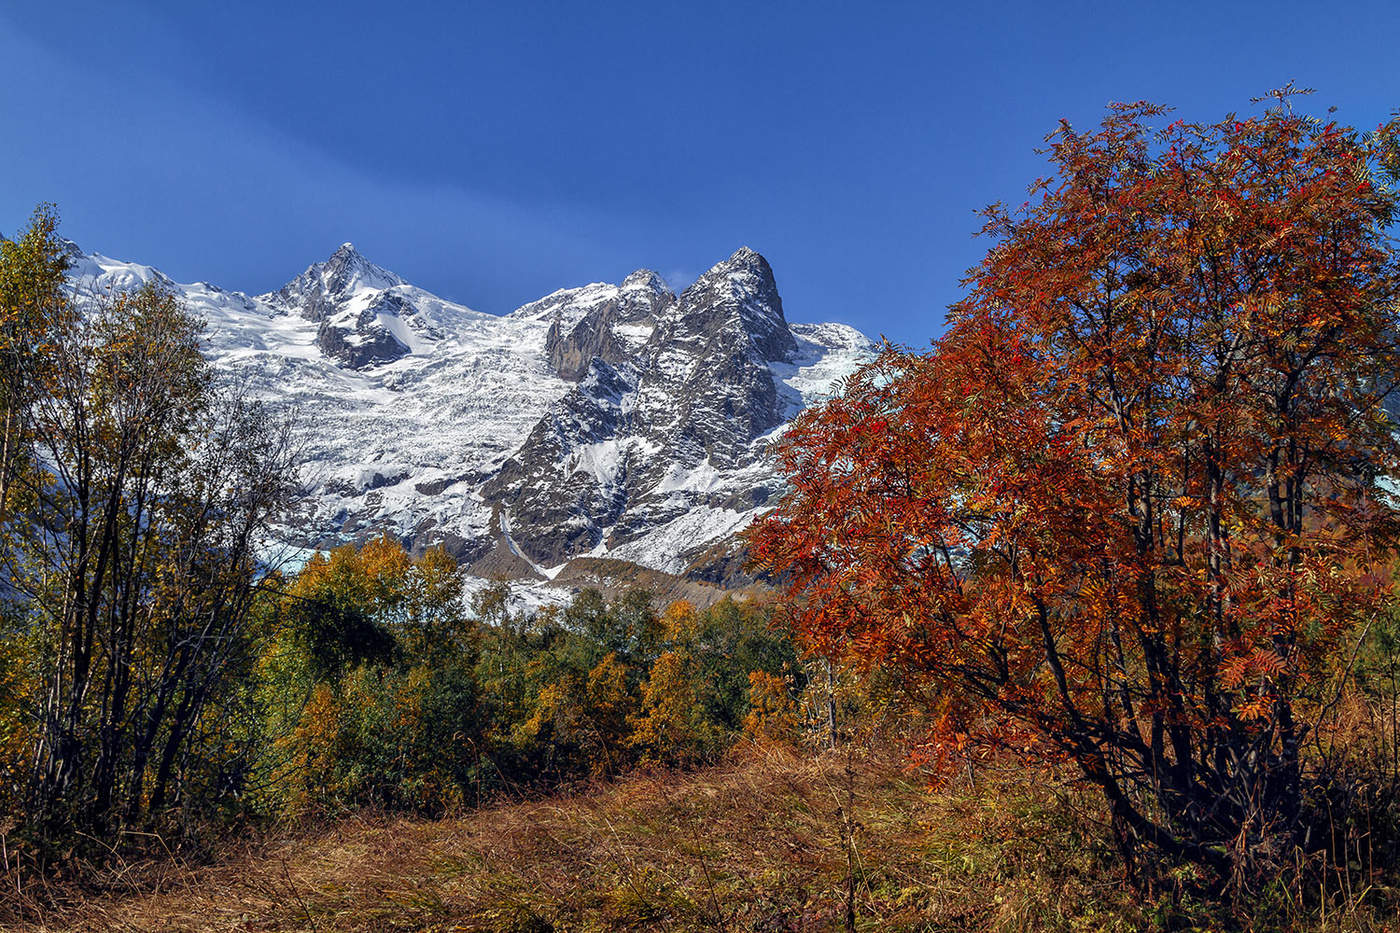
(618, 421)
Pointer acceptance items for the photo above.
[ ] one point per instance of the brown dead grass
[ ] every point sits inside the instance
(755, 844)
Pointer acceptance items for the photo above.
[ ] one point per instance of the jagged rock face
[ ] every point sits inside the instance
(324, 287)
(371, 345)
(592, 338)
(672, 432)
(712, 356)
(610, 329)
(555, 514)
(615, 421)
(736, 301)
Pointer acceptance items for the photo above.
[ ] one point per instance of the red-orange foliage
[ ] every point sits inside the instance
(1131, 502)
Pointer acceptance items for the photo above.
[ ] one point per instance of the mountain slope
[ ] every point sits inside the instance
(612, 421)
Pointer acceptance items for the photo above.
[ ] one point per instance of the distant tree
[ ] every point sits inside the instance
(342, 607)
(579, 722)
(368, 683)
(33, 308)
(1135, 502)
(671, 727)
(610, 699)
(773, 714)
(628, 625)
(724, 644)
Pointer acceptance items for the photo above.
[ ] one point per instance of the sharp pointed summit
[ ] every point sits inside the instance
(323, 284)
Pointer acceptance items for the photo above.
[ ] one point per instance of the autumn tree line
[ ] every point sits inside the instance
(162, 678)
(381, 686)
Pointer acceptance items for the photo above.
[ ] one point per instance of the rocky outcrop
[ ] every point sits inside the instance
(593, 338)
(359, 348)
(641, 441)
(566, 485)
(610, 330)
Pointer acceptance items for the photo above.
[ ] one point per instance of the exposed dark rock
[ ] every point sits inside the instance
(434, 487)
(379, 480)
(324, 292)
(724, 564)
(641, 298)
(591, 339)
(464, 551)
(555, 491)
(358, 349)
(697, 395)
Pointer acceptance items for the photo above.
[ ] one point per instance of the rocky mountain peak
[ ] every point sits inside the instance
(347, 271)
(72, 250)
(747, 256)
(366, 315)
(602, 322)
(642, 297)
(639, 443)
(319, 290)
(645, 280)
(736, 301)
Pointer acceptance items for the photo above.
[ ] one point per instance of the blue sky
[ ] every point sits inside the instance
(495, 152)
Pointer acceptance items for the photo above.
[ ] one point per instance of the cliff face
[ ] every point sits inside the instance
(667, 434)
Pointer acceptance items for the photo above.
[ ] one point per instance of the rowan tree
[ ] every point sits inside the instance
(1129, 509)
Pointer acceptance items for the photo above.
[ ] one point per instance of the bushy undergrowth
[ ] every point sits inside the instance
(382, 690)
(673, 768)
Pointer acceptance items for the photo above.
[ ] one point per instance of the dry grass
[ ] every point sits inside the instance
(757, 844)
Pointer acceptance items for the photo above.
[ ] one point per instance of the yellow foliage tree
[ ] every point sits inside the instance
(671, 727)
(773, 715)
(679, 621)
(584, 721)
(610, 702)
(311, 751)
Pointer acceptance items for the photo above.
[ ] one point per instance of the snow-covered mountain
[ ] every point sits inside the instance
(614, 421)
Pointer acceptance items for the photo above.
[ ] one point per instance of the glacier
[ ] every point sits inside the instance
(604, 422)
